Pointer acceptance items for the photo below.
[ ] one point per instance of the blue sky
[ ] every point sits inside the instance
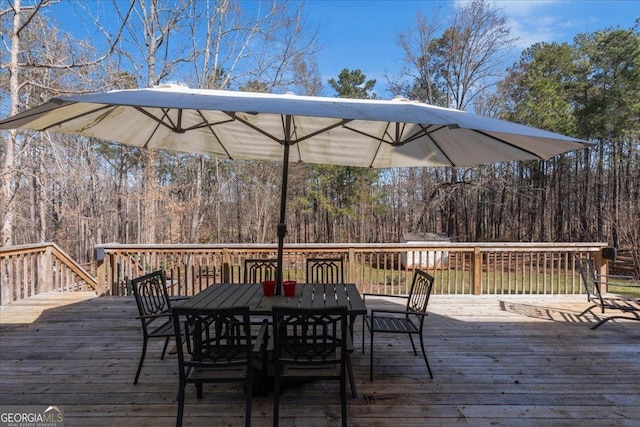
(362, 34)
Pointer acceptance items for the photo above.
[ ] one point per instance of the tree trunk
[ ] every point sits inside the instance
(8, 175)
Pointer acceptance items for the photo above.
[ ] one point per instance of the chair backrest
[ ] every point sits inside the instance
(151, 294)
(259, 270)
(325, 271)
(588, 274)
(315, 336)
(212, 338)
(421, 289)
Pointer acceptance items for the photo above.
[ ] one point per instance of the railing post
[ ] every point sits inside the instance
(225, 274)
(47, 266)
(350, 266)
(100, 271)
(601, 266)
(477, 271)
(6, 284)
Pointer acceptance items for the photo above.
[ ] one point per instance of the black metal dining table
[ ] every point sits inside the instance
(306, 296)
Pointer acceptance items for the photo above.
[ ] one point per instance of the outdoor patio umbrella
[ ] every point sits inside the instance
(290, 128)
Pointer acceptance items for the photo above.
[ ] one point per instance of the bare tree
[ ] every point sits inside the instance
(459, 65)
(473, 50)
(455, 69)
(35, 47)
(261, 46)
(150, 46)
(418, 80)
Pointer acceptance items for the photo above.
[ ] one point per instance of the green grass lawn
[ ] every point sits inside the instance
(451, 281)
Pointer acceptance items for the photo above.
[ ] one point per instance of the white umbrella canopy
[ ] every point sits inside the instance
(291, 128)
(243, 125)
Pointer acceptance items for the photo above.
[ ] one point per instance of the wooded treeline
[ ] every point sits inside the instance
(80, 192)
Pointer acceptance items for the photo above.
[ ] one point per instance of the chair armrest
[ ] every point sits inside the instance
(397, 312)
(599, 282)
(633, 279)
(384, 295)
(609, 286)
(154, 316)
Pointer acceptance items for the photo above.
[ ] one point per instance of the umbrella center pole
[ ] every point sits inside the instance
(282, 226)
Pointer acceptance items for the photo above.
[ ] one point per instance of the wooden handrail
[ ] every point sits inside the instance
(470, 268)
(465, 268)
(74, 266)
(27, 270)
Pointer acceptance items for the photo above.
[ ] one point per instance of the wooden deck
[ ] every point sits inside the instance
(497, 361)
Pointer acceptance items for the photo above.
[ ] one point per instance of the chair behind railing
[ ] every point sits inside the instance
(258, 270)
(325, 270)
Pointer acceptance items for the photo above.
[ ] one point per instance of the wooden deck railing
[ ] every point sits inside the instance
(33, 269)
(459, 268)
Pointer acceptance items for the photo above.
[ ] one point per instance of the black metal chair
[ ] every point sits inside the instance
(154, 311)
(409, 321)
(325, 271)
(259, 270)
(214, 346)
(310, 344)
(593, 284)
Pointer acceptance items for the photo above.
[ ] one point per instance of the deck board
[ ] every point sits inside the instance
(497, 361)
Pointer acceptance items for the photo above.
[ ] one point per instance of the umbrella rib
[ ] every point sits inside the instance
(376, 138)
(342, 123)
(428, 135)
(151, 135)
(252, 126)
(59, 103)
(380, 142)
(178, 127)
(312, 134)
(396, 142)
(508, 143)
(161, 121)
(213, 132)
(205, 123)
(102, 107)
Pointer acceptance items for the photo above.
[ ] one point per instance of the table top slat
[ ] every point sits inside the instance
(306, 296)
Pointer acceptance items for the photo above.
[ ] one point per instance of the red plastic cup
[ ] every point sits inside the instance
(289, 288)
(269, 288)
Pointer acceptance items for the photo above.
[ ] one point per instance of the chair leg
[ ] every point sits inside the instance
(371, 356)
(352, 322)
(198, 390)
(180, 399)
(424, 354)
(144, 352)
(363, 323)
(352, 381)
(415, 353)
(247, 415)
(343, 397)
(606, 319)
(276, 397)
(164, 349)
